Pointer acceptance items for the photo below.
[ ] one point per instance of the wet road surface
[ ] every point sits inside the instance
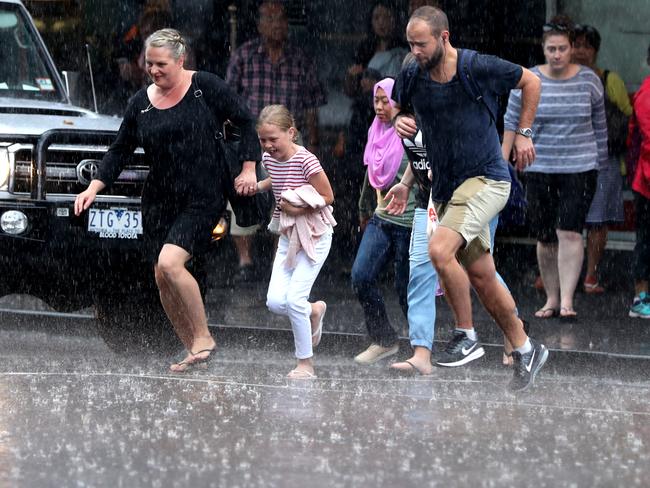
(73, 413)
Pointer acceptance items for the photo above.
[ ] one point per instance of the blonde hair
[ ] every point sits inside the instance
(170, 39)
(279, 116)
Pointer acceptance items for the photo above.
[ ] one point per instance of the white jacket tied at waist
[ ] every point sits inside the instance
(304, 230)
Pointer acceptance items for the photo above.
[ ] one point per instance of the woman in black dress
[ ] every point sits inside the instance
(184, 194)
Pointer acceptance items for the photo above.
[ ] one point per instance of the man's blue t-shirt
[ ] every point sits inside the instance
(460, 136)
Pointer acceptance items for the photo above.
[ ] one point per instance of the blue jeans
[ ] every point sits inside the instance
(382, 242)
(423, 282)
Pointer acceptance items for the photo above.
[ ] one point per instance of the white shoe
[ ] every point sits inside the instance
(375, 353)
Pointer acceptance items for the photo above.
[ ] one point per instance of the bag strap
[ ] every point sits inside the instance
(466, 59)
(605, 75)
(198, 94)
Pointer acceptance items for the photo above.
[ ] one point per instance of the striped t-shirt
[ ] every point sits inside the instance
(290, 174)
(570, 129)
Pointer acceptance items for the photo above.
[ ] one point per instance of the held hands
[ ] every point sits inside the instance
(405, 126)
(523, 152)
(397, 198)
(246, 182)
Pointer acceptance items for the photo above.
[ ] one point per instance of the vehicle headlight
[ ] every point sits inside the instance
(4, 168)
(13, 222)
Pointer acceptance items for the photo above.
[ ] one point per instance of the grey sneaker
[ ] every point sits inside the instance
(526, 366)
(459, 351)
(375, 353)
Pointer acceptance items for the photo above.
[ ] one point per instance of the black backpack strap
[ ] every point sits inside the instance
(605, 75)
(466, 59)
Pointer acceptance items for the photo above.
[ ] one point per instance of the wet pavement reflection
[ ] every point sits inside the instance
(73, 413)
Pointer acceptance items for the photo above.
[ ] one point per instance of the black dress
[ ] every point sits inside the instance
(185, 192)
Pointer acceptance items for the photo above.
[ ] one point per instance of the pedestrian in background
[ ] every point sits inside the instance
(271, 70)
(640, 131)
(303, 218)
(607, 205)
(570, 136)
(377, 56)
(184, 194)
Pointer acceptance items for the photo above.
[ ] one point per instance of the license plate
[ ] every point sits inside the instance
(115, 223)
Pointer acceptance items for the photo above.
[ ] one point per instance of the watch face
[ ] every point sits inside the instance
(526, 132)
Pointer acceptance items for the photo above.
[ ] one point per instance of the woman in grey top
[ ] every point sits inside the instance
(570, 136)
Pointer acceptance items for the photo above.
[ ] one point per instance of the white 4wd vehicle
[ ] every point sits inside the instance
(49, 150)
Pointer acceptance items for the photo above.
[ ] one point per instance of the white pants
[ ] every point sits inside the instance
(289, 290)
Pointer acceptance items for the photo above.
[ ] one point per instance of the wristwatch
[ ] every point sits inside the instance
(525, 131)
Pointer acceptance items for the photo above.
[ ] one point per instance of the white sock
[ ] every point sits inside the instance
(471, 333)
(525, 348)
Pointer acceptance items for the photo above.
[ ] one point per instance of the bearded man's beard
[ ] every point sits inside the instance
(435, 59)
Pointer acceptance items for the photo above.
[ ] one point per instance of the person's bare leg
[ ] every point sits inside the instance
(173, 308)
(640, 286)
(570, 256)
(243, 245)
(186, 300)
(443, 245)
(507, 352)
(421, 360)
(496, 299)
(596, 242)
(317, 310)
(548, 269)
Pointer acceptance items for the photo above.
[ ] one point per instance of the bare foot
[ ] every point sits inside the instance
(550, 309)
(413, 365)
(547, 313)
(182, 365)
(301, 374)
(567, 313)
(304, 370)
(202, 349)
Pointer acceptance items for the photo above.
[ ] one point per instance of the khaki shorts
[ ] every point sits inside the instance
(237, 231)
(469, 212)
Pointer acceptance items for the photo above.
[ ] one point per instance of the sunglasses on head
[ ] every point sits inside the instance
(584, 29)
(551, 27)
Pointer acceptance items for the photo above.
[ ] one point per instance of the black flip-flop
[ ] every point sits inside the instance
(412, 371)
(570, 317)
(182, 362)
(189, 365)
(544, 313)
(206, 359)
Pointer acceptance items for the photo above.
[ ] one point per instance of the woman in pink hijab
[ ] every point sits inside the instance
(386, 237)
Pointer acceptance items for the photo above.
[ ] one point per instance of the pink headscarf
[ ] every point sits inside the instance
(384, 151)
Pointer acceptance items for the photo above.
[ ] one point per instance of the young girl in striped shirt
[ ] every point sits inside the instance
(304, 221)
